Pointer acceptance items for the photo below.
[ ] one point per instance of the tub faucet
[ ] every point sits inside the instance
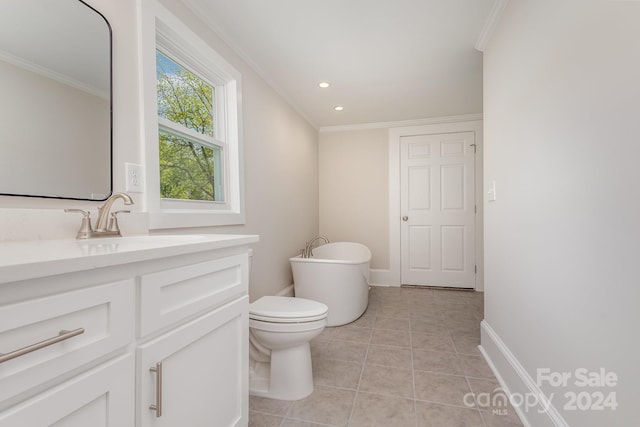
(308, 250)
(103, 228)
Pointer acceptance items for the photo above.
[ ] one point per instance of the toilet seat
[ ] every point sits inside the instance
(275, 309)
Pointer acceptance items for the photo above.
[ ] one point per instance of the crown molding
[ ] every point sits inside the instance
(490, 25)
(403, 123)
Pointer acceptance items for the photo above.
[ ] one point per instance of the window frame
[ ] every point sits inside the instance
(163, 31)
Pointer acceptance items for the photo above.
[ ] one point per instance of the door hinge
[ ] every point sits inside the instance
(475, 269)
(475, 209)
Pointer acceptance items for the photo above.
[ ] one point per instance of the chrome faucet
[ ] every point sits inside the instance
(307, 252)
(107, 224)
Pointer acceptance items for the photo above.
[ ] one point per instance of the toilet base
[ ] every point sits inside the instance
(288, 376)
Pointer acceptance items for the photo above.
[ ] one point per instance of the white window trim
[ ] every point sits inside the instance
(161, 29)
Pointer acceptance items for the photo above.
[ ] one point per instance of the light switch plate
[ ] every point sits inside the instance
(134, 178)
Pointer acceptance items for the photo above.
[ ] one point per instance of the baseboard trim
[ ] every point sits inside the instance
(516, 381)
(381, 277)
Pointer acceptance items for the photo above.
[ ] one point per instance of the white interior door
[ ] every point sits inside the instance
(437, 195)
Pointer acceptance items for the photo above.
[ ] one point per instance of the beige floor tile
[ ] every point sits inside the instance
(395, 357)
(317, 347)
(336, 373)
(391, 338)
(392, 296)
(435, 342)
(484, 385)
(269, 406)
(326, 334)
(436, 361)
(394, 323)
(490, 396)
(467, 315)
(376, 410)
(425, 312)
(367, 320)
(466, 344)
(387, 380)
(501, 418)
(435, 415)
(259, 419)
(440, 388)
(297, 423)
(429, 326)
(401, 312)
(462, 326)
(475, 366)
(353, 333)
(452, 296)
(326, 405)
(350, 351)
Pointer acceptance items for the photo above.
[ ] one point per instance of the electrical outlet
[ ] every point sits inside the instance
(134, 178)
(492, 191)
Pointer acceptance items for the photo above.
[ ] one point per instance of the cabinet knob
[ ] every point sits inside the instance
(405, 218)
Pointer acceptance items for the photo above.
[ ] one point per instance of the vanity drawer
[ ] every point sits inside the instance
(168, 296)
(96, 321)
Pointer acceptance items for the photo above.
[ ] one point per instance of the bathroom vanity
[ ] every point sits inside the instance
(132, 331)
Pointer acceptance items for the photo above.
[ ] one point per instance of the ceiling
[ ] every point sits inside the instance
(386, 60)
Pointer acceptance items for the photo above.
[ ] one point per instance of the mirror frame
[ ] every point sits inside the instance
(110, 35)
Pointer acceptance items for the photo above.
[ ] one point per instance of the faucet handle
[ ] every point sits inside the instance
(85, 226)
(85, 214)
(113, 221)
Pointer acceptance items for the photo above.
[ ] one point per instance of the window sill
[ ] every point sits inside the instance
(190, 219)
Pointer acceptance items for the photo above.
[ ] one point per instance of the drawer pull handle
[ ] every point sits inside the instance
(158, 405)
(63, 335)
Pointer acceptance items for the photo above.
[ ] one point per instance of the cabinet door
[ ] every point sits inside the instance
(101, 397)
(203, 372)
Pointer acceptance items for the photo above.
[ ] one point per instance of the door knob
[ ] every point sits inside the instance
(405, 218)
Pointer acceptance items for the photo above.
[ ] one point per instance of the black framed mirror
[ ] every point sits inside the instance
(55, 100)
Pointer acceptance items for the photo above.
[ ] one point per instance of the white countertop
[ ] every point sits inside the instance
(40, 258)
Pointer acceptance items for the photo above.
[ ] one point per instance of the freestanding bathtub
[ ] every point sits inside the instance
(336, 275)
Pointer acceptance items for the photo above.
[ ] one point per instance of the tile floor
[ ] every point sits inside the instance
(410, 360)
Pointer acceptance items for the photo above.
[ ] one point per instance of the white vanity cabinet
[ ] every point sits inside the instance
(141, 331)
(196, 372)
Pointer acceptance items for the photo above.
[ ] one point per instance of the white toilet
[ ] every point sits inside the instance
(280, 329)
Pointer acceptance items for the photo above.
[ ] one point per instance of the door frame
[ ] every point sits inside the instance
(395, 273)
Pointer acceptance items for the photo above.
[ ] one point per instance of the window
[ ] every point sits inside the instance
(191, 158)
(192, 127)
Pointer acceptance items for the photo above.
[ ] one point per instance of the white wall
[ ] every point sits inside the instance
(354, 190)
(281, 167)
(562, 108)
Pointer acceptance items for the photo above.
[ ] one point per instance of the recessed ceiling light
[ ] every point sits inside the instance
(324, 85)
(338, 108)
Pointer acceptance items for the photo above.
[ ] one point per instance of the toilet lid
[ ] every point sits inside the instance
(287, 310)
